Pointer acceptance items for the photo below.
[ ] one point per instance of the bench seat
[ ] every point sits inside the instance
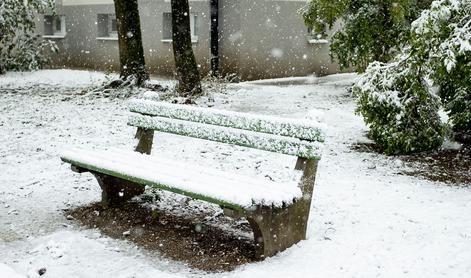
(227, 189)
(277, 212)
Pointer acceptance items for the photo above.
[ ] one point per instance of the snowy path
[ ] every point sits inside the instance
(366, 220)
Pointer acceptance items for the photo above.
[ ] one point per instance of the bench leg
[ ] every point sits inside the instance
(116, 191)
(276, 229)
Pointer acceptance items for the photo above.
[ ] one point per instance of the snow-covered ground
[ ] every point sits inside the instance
(366, 220)
(52, 78)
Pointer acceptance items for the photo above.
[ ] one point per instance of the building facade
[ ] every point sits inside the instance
(257, 38)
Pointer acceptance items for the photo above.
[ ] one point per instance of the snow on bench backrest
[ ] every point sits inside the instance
(245, 138)
(299, 128)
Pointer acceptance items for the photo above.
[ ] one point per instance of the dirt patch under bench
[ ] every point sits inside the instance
(201, 246)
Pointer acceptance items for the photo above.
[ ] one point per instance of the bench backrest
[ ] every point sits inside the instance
(301, 138)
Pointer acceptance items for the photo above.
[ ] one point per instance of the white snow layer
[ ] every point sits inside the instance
(8, 272)
(299, 128)
(231, 188)
(366, 220)
(262, 141)
(53, 78)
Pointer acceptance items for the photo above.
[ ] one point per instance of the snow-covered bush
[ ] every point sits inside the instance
(400, 100)
(20, 48)
(398, 107)
(442, 36)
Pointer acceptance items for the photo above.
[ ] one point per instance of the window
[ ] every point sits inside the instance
(54, 26)
(107, 26)
(316, 38)
(167, 27)
(113, 26)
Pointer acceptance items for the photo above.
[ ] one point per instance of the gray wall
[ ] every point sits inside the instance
(258, 39)
(273, 41)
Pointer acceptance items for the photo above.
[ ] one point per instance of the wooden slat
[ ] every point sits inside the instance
(179, 178)
(298, 128)
(267, 142)
(144, 182)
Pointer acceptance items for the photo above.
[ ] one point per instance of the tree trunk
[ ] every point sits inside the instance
(1, 38)
(131, 52)
(189, 81)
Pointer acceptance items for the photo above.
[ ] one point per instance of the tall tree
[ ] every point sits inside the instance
(131, 52)
(20, 47)
(189, 80)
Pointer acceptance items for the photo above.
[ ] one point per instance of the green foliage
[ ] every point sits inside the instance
(400, 101)
(455, 91)
(401, 112)
(20, 48)
(371, 30)
(320, 15)
(442, 38)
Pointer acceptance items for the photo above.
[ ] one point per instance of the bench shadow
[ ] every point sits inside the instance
(203, 247)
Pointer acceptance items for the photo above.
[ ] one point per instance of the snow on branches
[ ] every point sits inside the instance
(443, 33)
(401, 100)
(399, 108)
(20, 47)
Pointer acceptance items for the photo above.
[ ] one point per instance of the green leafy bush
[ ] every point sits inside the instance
(20, 47)
(442, 38)
(401, 112)
(400, 101)
(370, 30)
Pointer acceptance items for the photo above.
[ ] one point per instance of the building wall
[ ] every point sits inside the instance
(258, 39)
(274, 42)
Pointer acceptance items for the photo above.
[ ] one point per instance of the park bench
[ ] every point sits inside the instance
(277, 212)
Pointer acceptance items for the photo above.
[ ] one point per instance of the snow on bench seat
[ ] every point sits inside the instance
(245, 138)
(228, 189)
(299, 128)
